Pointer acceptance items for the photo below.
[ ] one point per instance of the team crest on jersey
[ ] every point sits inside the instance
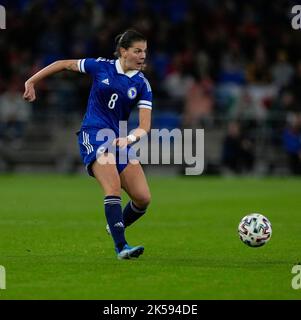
(132, 93)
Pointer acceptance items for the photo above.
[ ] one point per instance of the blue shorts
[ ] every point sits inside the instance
(92, 145)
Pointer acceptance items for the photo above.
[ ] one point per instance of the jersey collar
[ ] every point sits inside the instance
(119, 69)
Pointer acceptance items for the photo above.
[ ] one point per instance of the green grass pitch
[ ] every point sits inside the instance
(53, 243)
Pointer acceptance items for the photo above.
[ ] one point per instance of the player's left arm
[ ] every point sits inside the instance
(145, 116)
(142, 130)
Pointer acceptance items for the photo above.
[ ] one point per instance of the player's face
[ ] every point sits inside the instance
(135, 55)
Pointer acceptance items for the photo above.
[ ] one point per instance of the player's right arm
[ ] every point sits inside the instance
(53, 68)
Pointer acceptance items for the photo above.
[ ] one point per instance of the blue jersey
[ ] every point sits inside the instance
(114, 94)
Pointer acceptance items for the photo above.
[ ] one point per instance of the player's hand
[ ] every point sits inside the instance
(29, 93)
(121, 142)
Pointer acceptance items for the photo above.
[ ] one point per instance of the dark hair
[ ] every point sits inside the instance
(126, 39)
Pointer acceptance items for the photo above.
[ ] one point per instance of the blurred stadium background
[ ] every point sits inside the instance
(230, 67)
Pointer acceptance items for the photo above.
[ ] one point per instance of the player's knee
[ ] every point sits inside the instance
(143, 201)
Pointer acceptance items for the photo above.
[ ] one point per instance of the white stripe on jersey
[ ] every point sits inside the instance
(78, 65)
(143, 106)
(149, 89)
(83, 65)
(149, 103)
(86, 142)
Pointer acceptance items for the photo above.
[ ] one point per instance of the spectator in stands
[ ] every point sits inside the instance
(282, 70)
(177, 82)
(199, 102)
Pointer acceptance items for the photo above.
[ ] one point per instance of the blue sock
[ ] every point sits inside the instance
(131, 213)
(115, 220)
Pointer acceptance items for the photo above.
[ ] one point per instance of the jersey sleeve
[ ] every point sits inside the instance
(146, 96)
(89, 65)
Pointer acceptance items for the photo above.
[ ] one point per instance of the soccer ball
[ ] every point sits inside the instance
(255, 230)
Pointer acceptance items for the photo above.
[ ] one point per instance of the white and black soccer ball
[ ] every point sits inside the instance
(255, 230)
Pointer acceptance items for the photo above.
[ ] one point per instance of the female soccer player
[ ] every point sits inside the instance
(118, 87)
